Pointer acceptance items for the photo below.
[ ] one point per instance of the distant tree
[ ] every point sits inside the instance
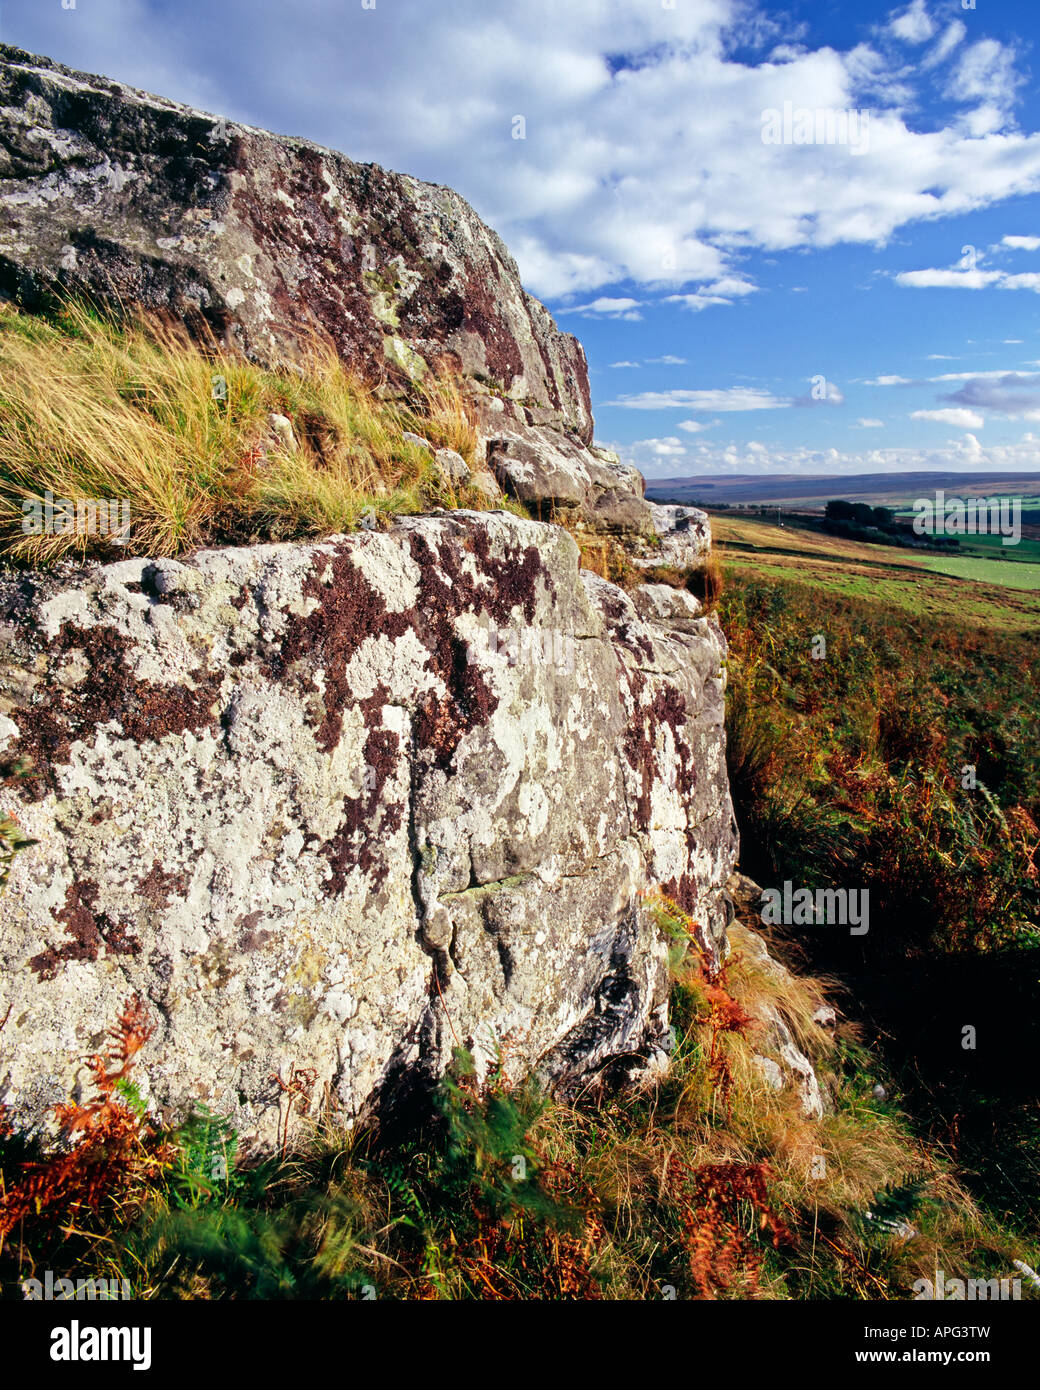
(858, 513)
(839, 510)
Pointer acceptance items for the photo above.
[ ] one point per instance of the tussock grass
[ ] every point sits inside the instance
(138, 411)
(706, 1182)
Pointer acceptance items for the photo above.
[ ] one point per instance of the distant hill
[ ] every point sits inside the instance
(812, 491)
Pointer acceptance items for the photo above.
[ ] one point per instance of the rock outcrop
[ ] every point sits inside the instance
(332, 808)
(683, 537)
(128, 197)
(335, 808)
(119, 192)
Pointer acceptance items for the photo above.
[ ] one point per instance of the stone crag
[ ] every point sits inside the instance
(334, 808)
(113, 190)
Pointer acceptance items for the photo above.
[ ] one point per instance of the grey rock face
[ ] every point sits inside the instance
(556, 474)
(269, 239)
(452, 467)
(272, 240)
(330, 808)
(684, 537)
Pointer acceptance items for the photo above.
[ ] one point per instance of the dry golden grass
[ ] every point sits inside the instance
(825, 1173)
(141, 413)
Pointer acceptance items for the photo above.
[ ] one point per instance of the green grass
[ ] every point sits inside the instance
(991, 547)
(890, 578)
(981, 571)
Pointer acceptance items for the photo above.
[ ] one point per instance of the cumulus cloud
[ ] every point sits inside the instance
(959, 450)
(624, 364)
(662, 448)
(1030, 280)
(985, 72)
(968, 276)
(963, 419)
(948, 279)
(645, 169)
(913, 25)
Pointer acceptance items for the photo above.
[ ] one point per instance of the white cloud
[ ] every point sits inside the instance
(696, 426)
(889, 381)
(662, 448)
(732, 399)
(951, 36)
(668, 360)
(1000, 373)
(696, 302)
(948, 279)
(962, 419)
(1016, 394)
(624, 364)
(956, 451)
(985, 72)
(913, 25)
(607, 308)
(823, 392)
(651, 174)
(1021, 243)
(731, 286)
(1027, 281)
(867, 424)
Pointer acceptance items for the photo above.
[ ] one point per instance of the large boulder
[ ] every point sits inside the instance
(128, 196)
(331, 808)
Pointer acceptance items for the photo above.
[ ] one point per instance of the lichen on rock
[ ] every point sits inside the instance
(295, 797)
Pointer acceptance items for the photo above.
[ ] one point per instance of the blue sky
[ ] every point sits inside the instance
(856, 290)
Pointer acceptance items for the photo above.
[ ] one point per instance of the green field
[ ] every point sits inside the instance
(982, 571)
(1027, 551)
(971, 589)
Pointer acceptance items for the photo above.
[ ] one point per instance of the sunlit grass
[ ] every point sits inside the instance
(139, 412)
